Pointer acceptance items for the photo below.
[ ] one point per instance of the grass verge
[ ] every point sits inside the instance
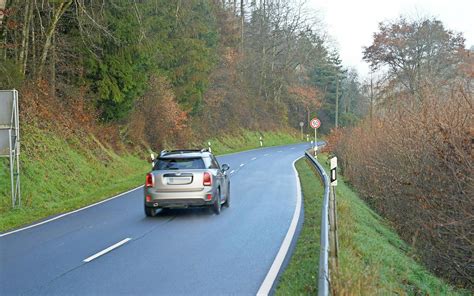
(246, 140)
(373, 260)
(59, 175)
(300, 276)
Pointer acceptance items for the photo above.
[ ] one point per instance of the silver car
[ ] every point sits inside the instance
(186, 178)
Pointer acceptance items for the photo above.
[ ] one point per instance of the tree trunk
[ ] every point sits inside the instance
(3, 29)
(49, 34)
(53, 67)
(242, 20)
(3, 5)
(337, 102)
(26, 37)
(33, 50)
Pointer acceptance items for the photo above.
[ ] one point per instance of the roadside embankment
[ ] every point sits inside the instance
(373, 259)
(62, 173)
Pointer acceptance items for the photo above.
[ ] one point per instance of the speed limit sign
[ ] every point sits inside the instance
(315, 123)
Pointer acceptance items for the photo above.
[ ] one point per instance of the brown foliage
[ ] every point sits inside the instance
(158, 119)
(333, 140)
(72, 116)
(414, 164)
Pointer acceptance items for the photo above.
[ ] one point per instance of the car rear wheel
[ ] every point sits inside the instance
(227, 200)
(216, 206)
(150, 212)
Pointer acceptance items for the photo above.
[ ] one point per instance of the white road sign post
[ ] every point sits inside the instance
(315, 124)
(10, 139)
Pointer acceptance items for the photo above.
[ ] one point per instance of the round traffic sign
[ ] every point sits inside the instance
(301, 123)
(315, 123)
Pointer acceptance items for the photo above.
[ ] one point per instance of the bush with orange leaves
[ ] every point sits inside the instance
(414, 164)
(157, 120)
(332, 140)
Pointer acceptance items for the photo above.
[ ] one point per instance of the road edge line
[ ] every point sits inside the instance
(69, 213)
(272, 275)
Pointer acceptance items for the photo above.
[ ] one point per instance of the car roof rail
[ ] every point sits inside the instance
(166, 152)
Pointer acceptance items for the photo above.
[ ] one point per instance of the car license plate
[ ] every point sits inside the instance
(179, 181)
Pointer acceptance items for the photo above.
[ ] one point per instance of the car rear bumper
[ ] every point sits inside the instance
(178, 199)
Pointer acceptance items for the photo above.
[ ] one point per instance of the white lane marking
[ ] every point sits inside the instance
(231, 172)
(266, 154)
(280, 151)
(69, 213)
(285, 246)
(105, 251)
(293, 148)
(241, 165)
(254, 158)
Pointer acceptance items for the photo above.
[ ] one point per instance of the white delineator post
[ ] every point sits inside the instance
(261, 141)
(209, 145)
(301, 127)
(334, 245)
(334, 171)
(152, 160)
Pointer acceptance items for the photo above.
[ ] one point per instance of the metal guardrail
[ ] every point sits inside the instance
(323, 279)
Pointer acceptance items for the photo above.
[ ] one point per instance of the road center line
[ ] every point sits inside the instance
(266, 154)
(242, 164)
(254, 158)
(105, 251)
(231, 172)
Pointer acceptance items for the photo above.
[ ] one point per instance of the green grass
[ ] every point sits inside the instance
(300, 277)
(373, 260)
(246, 140)
(59, 175)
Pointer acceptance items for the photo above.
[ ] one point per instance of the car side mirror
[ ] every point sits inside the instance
(225, 167)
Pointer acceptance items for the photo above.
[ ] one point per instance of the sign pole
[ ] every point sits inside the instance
(12, 164)
(315, 137)
(315, 124)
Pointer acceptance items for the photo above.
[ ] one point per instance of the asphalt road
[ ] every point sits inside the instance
(179, 252)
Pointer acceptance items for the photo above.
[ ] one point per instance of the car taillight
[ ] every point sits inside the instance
(207, 180)
(150, 180)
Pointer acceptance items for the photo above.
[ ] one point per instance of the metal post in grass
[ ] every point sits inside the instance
(10, 140)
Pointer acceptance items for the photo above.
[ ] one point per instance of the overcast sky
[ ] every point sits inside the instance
(351, 24)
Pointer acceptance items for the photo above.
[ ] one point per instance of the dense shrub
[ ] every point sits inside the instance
(413, 164)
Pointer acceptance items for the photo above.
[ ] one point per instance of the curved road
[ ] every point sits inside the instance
(179, 252)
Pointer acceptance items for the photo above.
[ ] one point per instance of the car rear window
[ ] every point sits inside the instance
(179, 164)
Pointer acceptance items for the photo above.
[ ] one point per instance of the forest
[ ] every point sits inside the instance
(159, 72)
